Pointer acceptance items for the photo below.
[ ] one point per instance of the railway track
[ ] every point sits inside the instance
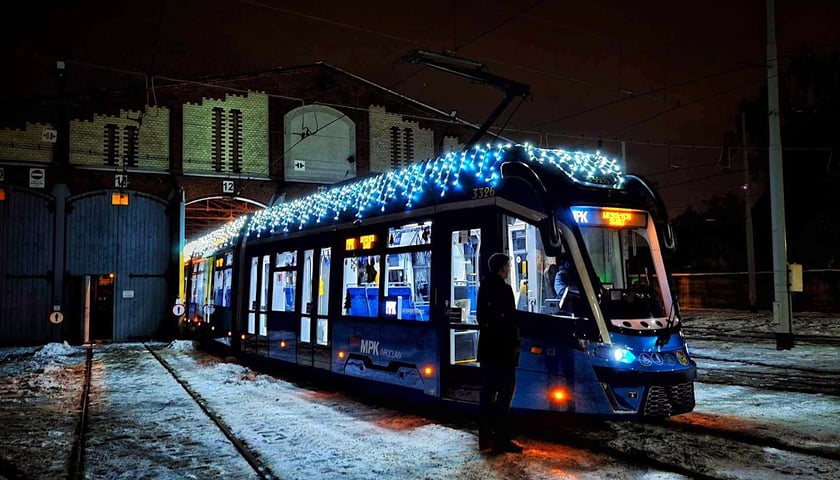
(253, 459)
(99, 426)
(77, 453)
(694, 445)
(784, 379)
(699, 446)
(713, 334)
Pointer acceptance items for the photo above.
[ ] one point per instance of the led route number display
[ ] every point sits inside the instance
(364, 242)
(609, 217)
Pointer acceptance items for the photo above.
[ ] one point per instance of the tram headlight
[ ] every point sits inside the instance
(623, 355)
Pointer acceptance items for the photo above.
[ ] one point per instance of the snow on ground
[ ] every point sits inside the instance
(323, 434)
(144, 426)
(38, 387)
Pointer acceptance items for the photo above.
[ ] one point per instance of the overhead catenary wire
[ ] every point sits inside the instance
(267, 169)
(370, 31)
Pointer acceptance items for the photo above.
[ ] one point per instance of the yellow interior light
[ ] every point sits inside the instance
(536, 350)
(243, 336)
(341, 354)
(428, 371)
(282, 344)
(119, 198)
(2, 194)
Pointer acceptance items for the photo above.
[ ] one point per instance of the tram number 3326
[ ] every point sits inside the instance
(483, 192)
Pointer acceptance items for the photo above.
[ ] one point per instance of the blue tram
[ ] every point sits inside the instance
(376, 279)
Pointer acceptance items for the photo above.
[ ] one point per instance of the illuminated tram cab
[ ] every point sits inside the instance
(375, 281)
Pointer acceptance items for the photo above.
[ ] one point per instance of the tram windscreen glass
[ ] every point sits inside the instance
(625, 266)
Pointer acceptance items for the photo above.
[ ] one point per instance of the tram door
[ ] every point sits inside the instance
(314, 344)
(462, 380)
(257, 302)
(308, 309)
(99, 307)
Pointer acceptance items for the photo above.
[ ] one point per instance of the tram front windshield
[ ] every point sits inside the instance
(630, 273)
(627, 275)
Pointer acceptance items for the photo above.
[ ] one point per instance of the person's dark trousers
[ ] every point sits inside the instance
(498, 382)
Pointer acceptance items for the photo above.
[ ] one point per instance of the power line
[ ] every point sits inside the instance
(677, 85)
(636, 95)
(499, 25)
(404, 79)
(678, 169)
(701, 179)
(331, 22)
(683, 105)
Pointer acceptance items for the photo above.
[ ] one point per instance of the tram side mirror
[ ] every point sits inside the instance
(669, 238)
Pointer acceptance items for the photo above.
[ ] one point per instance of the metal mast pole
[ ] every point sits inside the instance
(781, 305)
(748, 221)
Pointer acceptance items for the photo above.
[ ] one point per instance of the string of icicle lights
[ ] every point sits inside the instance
(220, 238)
(415, 185)
(421, 182)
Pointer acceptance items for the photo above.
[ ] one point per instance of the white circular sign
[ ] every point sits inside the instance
(178, 309)
(56, 317)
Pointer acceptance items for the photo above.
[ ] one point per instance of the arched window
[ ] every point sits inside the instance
(320, 145)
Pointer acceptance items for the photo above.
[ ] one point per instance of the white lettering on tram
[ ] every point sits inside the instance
(392, 354)
(370, 347)
(580, 216)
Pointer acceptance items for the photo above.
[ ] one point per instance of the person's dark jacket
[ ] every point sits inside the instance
(499, 340)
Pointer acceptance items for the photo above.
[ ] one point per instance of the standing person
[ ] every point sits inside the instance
(498, 353)
(565, 283)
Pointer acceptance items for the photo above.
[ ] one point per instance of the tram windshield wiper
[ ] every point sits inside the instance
(666, 332)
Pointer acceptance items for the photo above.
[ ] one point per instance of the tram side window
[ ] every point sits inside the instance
(361, 285)
(407, 285)
(222, 279)
(197, 282)
(534, 274)
(285, 282)
(411, 234)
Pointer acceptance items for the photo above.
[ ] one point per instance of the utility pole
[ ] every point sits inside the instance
(781, 305)
(748, 221)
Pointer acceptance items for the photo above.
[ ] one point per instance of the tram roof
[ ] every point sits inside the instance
(446, 178)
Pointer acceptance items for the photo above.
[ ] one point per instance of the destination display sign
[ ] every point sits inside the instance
(609, 217)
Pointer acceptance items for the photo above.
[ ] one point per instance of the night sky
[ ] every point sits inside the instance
(651, 73)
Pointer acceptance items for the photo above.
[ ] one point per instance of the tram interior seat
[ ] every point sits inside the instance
(556, 305)
(364, 302)
(469, 291)
(410, 311)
